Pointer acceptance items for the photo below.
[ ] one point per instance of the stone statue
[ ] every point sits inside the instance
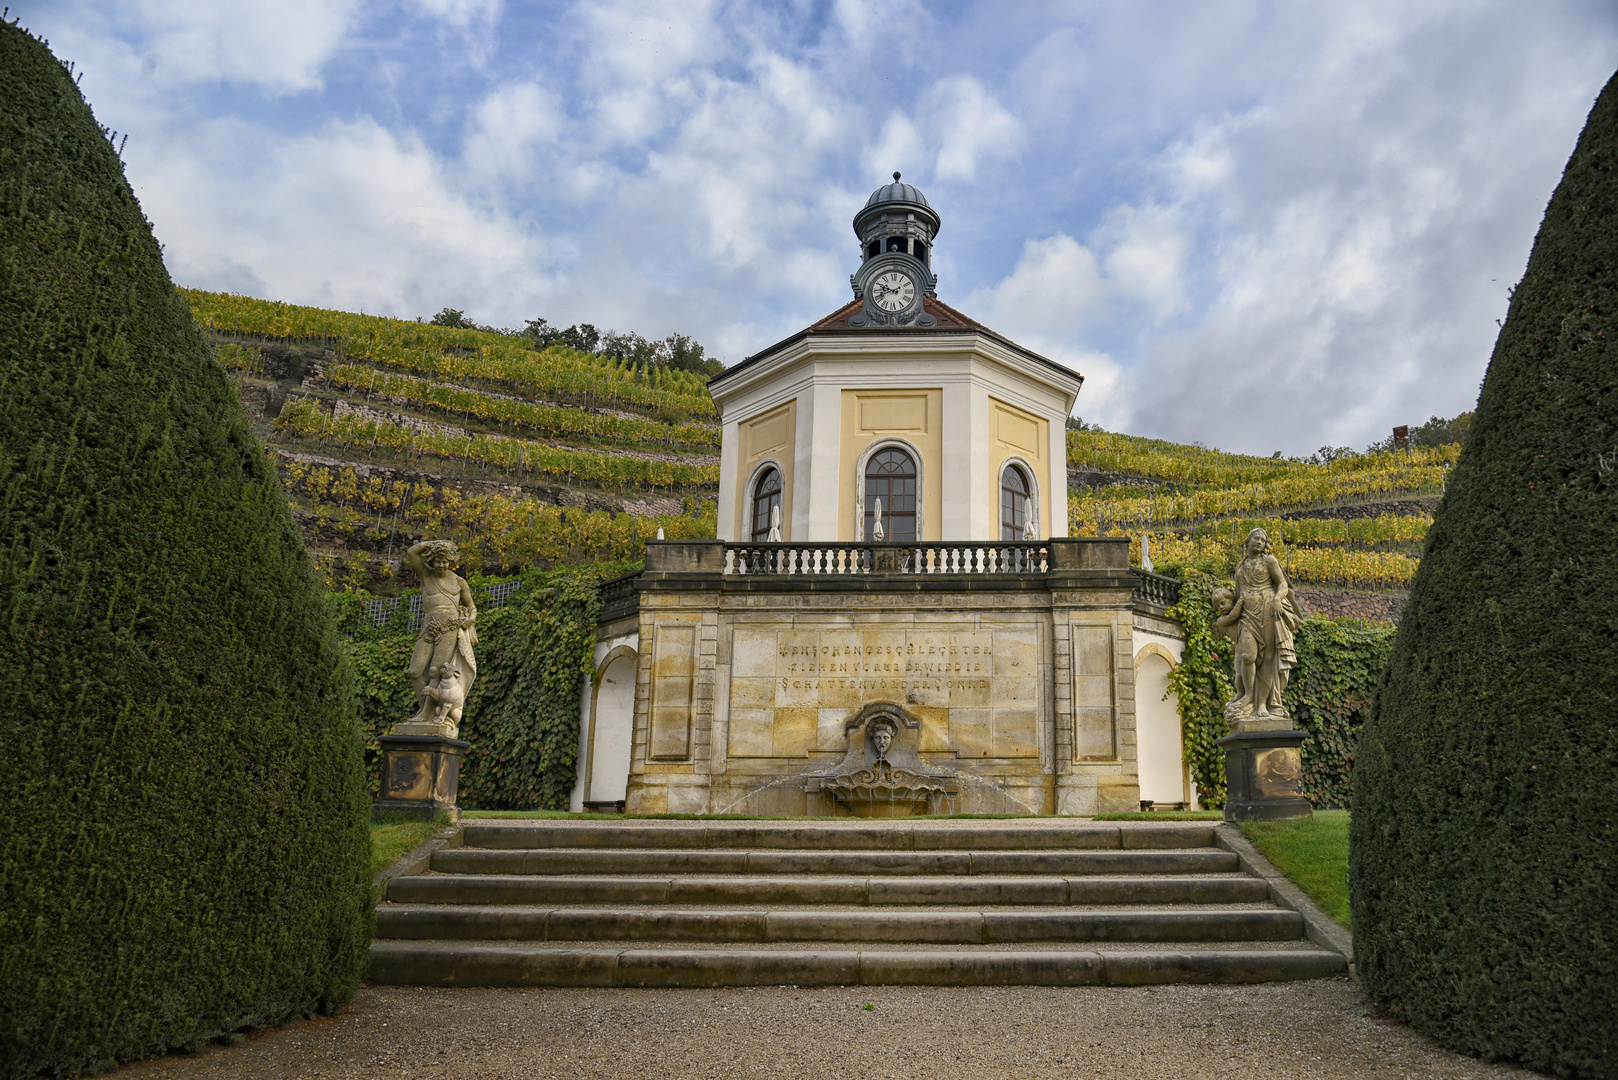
(442, 666)
(1259, 615)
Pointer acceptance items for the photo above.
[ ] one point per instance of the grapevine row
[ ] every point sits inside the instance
(446, 352)
(1173, 462)
(1308, 487)
(517, 457)
(546, 420)
(504, 532)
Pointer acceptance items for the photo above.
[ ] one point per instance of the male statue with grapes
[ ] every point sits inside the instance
(442, 665)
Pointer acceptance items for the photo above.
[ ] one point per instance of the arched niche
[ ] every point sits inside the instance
(612, 728)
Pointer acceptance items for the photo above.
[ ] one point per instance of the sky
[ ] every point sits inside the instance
(1257, 226)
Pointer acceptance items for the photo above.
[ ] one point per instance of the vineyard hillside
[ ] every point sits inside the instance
(388, 430)
(1349, 531)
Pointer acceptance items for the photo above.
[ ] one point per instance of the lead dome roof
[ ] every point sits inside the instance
(907, 197)
(897, 192)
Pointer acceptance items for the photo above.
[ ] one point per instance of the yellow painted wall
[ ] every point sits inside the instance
(1015, 433)
(772, 436)
(915, 416)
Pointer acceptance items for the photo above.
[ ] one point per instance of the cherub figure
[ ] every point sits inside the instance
(450, 695)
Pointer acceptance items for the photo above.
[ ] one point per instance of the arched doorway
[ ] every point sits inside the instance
(1161, 761)
(612, 726)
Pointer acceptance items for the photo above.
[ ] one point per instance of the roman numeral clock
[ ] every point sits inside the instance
(896, 230)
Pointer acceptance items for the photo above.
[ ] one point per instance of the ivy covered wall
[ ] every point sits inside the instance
(1329, 695)
(522, 717)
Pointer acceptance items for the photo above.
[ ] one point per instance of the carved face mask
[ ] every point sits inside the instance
(883, 739)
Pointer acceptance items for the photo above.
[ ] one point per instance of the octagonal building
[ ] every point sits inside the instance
(894, 400)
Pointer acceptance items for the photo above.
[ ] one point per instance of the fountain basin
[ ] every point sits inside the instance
(882, 790)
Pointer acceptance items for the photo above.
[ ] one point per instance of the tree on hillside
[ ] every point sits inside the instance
(453, 317)
(1484, 868)
(186, 850)
(1437, 431)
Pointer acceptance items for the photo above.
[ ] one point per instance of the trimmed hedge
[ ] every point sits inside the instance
(1484, 866)
(185, 848)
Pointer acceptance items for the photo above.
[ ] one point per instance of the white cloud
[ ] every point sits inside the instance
(897, 147)
(352, 216)
(509, 126)
(461, 12)
(281, 45)
(1349, 224)
(646, 61)
(971, 126)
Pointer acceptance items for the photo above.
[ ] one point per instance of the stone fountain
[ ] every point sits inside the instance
(881, 774)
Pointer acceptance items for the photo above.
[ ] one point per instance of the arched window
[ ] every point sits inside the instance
(1014, 505)
(766, 500)
(890, 475)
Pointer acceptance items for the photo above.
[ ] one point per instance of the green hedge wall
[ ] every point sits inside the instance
(1329, 695)
(522, 716)
(185, 850)
(1484, 864)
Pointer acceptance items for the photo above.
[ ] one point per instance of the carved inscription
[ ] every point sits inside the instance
(975, 691)
(897, 666)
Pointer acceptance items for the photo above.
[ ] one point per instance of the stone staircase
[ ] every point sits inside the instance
(547, 903)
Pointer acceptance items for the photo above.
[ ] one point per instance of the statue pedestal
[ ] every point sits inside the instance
(420, 775)
(1263, 775)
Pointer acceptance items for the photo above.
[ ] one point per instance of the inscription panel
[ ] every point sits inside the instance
(975, 691)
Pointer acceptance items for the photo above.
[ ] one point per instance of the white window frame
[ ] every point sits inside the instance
(1033, 494)
(859, 486)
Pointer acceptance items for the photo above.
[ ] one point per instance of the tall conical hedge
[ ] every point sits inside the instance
(183, 844)
(1484, 867)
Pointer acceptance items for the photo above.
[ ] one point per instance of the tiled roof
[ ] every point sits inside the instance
(949, 321)
(948, 318)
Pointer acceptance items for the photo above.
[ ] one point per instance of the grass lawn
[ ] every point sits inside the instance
(1313, 852)
(391, 839)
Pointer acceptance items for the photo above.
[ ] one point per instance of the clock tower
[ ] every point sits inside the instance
(896, 230)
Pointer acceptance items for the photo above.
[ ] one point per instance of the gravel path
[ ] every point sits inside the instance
(1283, 1030)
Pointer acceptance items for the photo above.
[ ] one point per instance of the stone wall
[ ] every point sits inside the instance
(1336, 604)
(1403, 508)
(1020, 687)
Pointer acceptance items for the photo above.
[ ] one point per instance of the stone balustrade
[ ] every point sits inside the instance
(1006, 557)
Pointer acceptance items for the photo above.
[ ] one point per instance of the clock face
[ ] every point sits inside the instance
(893, 291)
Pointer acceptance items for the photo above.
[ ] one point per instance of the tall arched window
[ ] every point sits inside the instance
(890, 475)
(766, 500)
(1014, 505)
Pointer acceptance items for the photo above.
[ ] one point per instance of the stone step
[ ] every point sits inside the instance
(824, 889)
(912, 863)
(417, 963)
(832, 837)
(936, 926)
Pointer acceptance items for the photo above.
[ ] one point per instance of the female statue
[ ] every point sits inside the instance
(1259, 616)
(448, 633)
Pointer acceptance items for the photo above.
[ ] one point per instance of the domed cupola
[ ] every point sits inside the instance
(896, 230)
